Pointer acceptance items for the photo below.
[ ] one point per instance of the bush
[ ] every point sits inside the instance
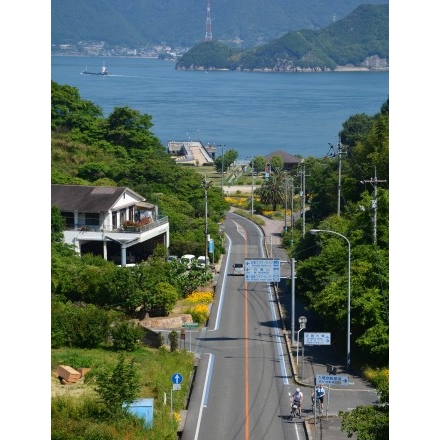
(173, 337)
(126, 335)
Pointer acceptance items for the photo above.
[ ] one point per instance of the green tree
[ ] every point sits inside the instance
(165, 296)
(259, 163)
(131, 129)
(58, 225)
(78, 326)
(271, 192)
(355, 128)
(173, 338)
(277, 164)
(69, 111)
(226, 160)
(118, 386)
(367, 422)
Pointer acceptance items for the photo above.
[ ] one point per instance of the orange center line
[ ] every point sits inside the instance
(246, 355)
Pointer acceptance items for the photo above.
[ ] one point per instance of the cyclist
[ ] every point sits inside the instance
(320, 393)
(297, 399)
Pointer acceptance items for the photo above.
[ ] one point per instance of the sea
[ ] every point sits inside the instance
(254, 113)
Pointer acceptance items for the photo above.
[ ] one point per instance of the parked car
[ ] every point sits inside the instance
(238, 269)
(201, 261)
(187, 259)
(172, 258)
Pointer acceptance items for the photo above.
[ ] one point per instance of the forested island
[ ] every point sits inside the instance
(360, 40)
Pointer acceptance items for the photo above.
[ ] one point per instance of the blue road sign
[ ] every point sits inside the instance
(176, 378)
(332, 380)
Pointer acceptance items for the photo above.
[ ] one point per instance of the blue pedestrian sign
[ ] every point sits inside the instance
(176, 378)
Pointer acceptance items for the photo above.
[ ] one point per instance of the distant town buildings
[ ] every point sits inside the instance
(100, 48)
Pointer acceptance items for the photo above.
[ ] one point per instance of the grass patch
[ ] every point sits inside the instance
(77, 412)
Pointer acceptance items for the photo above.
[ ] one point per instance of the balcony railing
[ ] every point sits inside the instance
(84, 227)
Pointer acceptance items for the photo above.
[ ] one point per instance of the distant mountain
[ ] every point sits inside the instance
(361, 39)
(241, 23)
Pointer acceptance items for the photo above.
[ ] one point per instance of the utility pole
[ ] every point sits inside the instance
(223, 163)
(341, 150)
(374, 182)
(252, 193)
(302, 194)
(251, 159)
(291, 214)
(285, 203)
(206, 184)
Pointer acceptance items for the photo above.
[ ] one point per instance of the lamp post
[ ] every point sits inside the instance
(302, 325)
(314, 231)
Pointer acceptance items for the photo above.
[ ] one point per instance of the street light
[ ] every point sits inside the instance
(314, 231)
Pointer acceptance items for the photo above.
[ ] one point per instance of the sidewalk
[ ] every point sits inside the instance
(315, 360)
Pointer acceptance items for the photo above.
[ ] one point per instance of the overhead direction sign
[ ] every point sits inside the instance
(262, 269)
(332, 380)
(176, 378)
(320, 338)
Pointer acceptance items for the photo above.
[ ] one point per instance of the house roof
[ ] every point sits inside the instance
(88, 198)
(286, 157)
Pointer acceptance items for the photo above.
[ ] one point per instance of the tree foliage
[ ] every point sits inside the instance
(118, 386)
(271, 192)
(367, 422)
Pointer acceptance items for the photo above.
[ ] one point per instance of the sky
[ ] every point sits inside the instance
(25, 92)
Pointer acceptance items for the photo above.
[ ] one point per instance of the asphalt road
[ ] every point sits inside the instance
(243, 377)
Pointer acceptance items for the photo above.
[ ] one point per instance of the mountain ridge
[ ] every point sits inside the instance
(243, 23)
(361, 40)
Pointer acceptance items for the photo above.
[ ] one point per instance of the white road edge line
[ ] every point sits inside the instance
(205, 388)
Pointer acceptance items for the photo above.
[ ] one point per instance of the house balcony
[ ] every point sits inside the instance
(83, 234)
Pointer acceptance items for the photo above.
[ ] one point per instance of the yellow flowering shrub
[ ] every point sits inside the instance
(239, 201)
(199, 298)
(377, 375)
(198, 303)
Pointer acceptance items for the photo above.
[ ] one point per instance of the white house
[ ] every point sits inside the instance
(114, 222)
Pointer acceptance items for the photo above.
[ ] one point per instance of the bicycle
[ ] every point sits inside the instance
(295, 411)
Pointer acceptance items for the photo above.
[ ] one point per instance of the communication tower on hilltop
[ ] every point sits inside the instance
(208, 34)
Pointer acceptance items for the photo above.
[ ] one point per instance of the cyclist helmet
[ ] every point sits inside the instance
(297, 390)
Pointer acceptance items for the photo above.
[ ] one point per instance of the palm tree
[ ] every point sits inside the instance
(271, 192)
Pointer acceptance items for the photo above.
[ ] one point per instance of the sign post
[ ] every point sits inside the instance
(176, 378)
(190, 325)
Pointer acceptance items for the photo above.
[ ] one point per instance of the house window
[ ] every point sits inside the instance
(69, 217)
(114, 220)
(92, 219)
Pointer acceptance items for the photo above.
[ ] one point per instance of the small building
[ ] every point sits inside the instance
(290, 162)
(114, 222)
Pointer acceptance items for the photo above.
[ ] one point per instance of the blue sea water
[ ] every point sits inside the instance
(251, 112)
